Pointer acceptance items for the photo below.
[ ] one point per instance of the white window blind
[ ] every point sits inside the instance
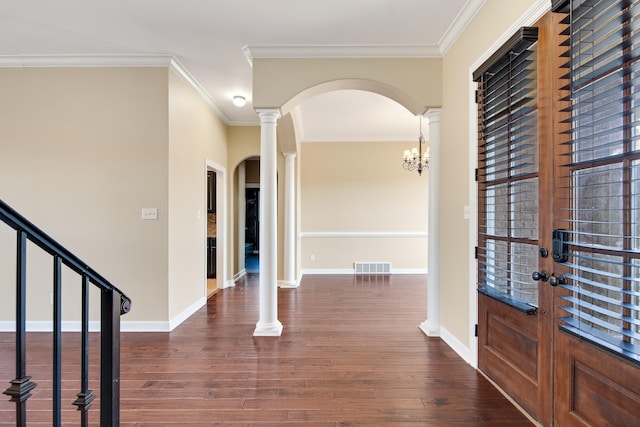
(601, 174)
(508, 172)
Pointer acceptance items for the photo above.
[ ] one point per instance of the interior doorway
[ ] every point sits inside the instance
(215, 237)
(252, 233)
(211, 255)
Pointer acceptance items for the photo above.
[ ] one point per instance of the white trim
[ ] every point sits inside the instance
(240, 274)
(186, 77)
(221, 221)
(186, 313)
(94, 325)
(86, 61)
(459, 24)
(351, 271)
(142, 326)
(409, 271)
(340, 51)
(326, 271)
(47, 326)
(455, 345)
(229, 284)
(473, 231)
(362, 234)
(288, 284)
(430, 329)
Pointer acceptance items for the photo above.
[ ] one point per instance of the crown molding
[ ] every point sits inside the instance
(340, 51)
(91, 61)
(459, 24)
(466, 15)
(79, 61)
(186, 77)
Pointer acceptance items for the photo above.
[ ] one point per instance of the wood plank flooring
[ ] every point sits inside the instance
(351, 354)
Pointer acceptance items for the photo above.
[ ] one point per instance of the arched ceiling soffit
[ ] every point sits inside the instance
(287, 135)
(383, 89)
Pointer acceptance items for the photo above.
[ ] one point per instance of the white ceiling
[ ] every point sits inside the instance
(355, 115)
(213, 39)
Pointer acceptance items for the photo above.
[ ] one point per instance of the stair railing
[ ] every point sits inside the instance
(114, 303)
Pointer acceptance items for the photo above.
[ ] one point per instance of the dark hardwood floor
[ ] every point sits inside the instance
(351, 354)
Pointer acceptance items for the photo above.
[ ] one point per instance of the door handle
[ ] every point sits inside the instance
(555, 281)
(540, 275)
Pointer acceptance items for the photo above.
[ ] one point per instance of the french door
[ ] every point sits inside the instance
(515, 170)
(597, 215)
(559, 215)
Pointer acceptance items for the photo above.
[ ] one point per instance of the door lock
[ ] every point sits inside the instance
(560, 248)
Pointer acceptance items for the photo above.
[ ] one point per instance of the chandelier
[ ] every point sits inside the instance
(414, 159)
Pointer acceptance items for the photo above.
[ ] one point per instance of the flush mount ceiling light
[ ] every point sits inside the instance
(239, 101)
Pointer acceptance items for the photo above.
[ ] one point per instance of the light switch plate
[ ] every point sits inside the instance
(149, 213)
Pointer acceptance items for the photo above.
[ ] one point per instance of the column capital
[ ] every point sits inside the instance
(268, 115)
(289, 155)
(433, 114)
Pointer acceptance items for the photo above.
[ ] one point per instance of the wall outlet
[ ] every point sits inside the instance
(149, 213)
(313, 257)
(51, 298)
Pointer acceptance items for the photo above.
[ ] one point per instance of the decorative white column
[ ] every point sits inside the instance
(431, 326)
(241, 220)
(290, 280)
(268, 324)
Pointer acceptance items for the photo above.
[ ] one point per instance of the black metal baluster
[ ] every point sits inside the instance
(110, 311)
(114, 304)
(57, 340)
(21, 386)
(85, 397)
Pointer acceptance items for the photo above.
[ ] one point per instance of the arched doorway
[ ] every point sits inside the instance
(268, 323)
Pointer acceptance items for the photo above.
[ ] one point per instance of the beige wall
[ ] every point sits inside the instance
(457, 127)
(361, 188)
(82, 151)
(195, 135)
(415, 83)
(244, 143)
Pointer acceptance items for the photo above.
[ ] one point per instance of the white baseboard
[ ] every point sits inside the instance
(456, 345)
(327, 271)
(144, 326)
(240, 274)
(351, 271)
(409, 271)
(430, 329)
(47, 326)
(186, 313)
(125, 326)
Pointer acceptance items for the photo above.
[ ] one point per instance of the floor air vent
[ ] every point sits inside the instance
(372, 267)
